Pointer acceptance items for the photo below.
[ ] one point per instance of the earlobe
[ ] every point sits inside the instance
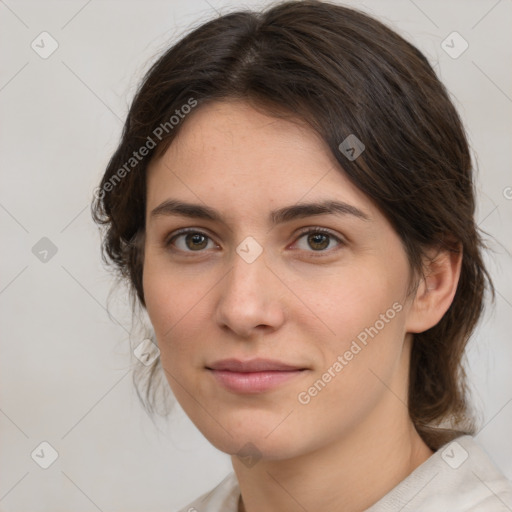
(436, 289)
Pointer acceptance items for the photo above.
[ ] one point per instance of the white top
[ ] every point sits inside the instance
(459, 477)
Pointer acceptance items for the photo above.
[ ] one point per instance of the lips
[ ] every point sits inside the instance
(253, 365)
(253, 376)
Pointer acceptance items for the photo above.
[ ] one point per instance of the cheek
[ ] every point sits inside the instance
(176, 304)
(160, 301)
(169, 292)
(350, 303)
(173, 312)
(366, 318)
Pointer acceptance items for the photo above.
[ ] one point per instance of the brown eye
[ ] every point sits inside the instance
(196, 241)
(189, 241)
(318, 241)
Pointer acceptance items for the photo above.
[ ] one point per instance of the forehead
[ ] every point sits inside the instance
(229, 154)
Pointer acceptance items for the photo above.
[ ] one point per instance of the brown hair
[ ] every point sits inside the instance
(344, 73)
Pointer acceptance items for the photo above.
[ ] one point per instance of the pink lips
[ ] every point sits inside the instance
(253, 376)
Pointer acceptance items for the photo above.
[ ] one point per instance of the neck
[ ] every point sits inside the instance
(350, 476)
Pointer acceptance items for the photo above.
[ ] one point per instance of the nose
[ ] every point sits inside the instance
(250, 299)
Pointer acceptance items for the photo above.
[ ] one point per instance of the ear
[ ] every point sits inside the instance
(436, 289)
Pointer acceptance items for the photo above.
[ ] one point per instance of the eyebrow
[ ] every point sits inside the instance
(174, 207)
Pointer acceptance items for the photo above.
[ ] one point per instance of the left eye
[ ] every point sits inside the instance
(319, 239)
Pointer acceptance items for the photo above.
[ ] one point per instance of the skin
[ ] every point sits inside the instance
(352, 442)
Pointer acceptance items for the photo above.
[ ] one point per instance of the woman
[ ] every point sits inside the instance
(292, 204)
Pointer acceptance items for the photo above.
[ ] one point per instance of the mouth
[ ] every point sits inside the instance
(253, 376)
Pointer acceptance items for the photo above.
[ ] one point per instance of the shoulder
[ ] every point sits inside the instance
(459, 477)
(222, 498)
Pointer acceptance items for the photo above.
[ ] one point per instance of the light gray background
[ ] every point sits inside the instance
(65, 366)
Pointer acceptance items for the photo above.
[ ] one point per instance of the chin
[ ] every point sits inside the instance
(257, 441)
(258, 449)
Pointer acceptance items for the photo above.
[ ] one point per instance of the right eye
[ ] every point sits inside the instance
(189, 240)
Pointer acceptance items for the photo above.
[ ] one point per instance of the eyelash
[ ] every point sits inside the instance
(305, 231)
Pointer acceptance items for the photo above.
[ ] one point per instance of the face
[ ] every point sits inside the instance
(306, 303)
